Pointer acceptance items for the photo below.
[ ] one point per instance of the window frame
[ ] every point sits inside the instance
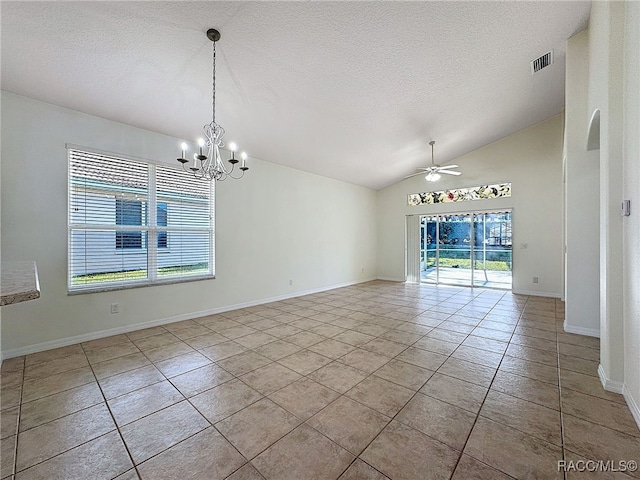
(149, 230)
(121, 247)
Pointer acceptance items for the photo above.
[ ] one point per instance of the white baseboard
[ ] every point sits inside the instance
(633, 406)
(619, 387)
(607, 383)
(536, 294)
(518, 292)
(391, 279)
(591, 332)
(63, 342)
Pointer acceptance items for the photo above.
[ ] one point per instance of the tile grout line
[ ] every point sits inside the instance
(477, 416)
(305, 421)
(62, 453)
(187, 399)
(15, 472)
(431, 328)
(560, 404)
(301, 421)
(409, 400)
(558, 386)
(184, 398)
(16, 443)
(113, 418)
(267, 397)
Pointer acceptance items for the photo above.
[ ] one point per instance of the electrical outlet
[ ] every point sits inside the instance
(115, 308)
(362, 271)
(535, 279)
(290, 282)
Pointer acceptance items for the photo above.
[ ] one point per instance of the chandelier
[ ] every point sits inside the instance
(210, 166)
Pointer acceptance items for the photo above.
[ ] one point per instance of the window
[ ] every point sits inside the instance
(162, 222)
(129, 212)
(133, 223)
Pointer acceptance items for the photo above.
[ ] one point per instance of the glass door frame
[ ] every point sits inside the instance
(472, 240)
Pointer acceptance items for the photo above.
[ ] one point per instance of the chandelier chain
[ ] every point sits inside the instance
(213, 93)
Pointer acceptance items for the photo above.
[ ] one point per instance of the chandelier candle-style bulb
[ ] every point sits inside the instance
(201, 157)
(211, 165)
(183, 158)
(233, 147)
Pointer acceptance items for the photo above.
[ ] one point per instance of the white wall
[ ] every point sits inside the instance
(614, 91)
(606, 35)
(532, 161)
(582, 200)
(1, 353)
(631, 224)
(274, 225)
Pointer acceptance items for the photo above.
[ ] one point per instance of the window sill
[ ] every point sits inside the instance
(129, 286)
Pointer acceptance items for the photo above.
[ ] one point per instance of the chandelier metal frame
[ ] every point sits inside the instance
(210, 166)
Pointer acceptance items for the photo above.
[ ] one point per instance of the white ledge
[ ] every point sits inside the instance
(19, 282)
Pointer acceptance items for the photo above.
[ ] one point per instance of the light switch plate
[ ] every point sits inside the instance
(625, 208)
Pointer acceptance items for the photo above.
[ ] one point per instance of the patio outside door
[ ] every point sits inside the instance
(449, 243)
(492, 250)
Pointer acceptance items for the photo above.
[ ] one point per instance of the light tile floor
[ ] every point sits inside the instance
(374, 381)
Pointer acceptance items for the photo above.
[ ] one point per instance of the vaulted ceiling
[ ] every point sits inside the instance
(349, 90)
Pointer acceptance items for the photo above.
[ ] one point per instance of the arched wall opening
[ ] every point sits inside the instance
(593, 136)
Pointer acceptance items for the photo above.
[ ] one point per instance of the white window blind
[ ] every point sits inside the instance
(133, 223)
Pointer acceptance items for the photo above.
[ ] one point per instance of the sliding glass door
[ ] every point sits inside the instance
(492, 250)
(428, 248)
(471, 249)
(454, 245)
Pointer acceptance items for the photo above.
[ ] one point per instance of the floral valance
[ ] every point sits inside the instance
(461, 194)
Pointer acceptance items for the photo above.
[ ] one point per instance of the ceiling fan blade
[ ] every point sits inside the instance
(414, 174)
(447, 167)
(449, 172)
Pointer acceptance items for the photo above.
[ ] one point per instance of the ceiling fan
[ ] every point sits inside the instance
(433, 172)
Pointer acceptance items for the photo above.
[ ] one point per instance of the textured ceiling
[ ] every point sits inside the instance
(348, 90)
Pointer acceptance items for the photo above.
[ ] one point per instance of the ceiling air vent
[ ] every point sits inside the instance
(541, 62)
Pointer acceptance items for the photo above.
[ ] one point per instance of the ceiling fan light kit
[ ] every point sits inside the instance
(433, 172)
(432, 177)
